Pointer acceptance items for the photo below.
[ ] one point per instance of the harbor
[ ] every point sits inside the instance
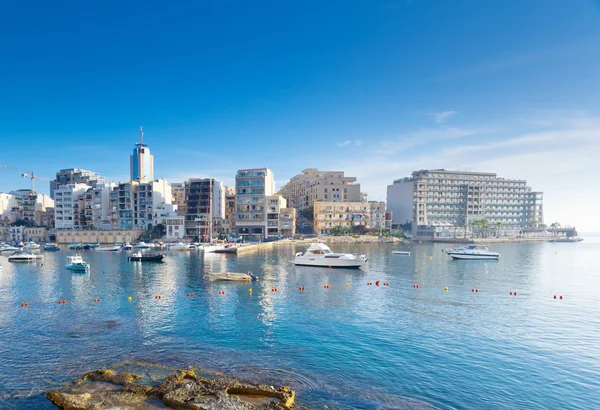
(403, 332)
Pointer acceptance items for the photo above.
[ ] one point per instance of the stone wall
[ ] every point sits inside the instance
(66, 236)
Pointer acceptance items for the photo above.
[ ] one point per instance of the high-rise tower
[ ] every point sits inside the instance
(142, 162)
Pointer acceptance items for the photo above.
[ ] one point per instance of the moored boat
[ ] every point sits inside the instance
(405, 253)
(107, 249)
(146, 257)
(227, 249)
(178, 247)
(127, 247)
(23, 257)
(473, 252)
(31, 246)
(319, 254)
(141, 245)
(51, 247)
(76, 263)
(568, 239)
(233, 276)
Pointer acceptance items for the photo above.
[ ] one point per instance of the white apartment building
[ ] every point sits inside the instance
(95, 205)
(136, 203)
(438, 201)
(66, 205)
(253, 186)
(313, 185)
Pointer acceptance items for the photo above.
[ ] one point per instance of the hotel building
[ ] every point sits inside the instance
(436, 202)
(371, 215)
(252, 187)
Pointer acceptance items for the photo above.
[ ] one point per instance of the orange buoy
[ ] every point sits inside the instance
(511, 293)
(554, 296)
(377, 283)
(476, 290)
(26, 304)
(98, 299)
(515, 293)
(561, 298)
(473, 290)
(192, 295)
(188, 295)
(22, 304)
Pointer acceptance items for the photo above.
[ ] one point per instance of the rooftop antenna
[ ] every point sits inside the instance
(141, 135)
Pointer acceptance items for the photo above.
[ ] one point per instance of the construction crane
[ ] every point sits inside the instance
(28, 175)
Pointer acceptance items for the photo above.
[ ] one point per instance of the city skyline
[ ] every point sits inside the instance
(377, 94)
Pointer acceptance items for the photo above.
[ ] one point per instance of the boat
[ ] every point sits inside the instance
(406, 253)
(23, 257)
(8, 249)
(107, 249)
(233, 276)
(146, 257)
(212, 248)
(92, 245)
(568, 239)
(51, 247)
(141, 245)
(180, 247)
(75, 263)
(31, 246)
(127, 247)
(319, 254)
(227, 249)
(473, 252)
(78, 246)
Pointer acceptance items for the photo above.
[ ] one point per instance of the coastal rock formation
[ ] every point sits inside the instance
(181, 389)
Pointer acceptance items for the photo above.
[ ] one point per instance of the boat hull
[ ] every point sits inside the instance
(464, 256)
(231, 277)
(331, 263)
(110, 249)
(153, 258)
(78, 268)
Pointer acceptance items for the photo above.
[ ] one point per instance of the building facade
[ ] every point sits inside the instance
(230, 211)
(74, 176)
(313, 185)
(66, 205)
(437, 202)
(178, 193)
(371, 215)
(141, 162)
(287, 222)
(252, 187)
(137, 202)
(205, 208)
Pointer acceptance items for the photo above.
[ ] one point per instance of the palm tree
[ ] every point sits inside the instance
(555, 226)
(498, 225)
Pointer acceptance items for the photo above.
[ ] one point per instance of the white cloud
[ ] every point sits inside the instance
(344, 144)
(441, 117)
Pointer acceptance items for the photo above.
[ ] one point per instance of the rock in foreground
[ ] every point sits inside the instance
(181, 389)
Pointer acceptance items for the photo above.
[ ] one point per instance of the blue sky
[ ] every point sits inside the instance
(374, 88)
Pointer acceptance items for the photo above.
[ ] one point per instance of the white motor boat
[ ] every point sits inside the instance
(319, 254)
(127, 247)
(568, 239)
(233, 276)
(107, 249)
(405, 253)
(473, 252)
(23, 257)
(31, 246)
(180, 247)
(212, 248)
(141, 245)
(8, 249)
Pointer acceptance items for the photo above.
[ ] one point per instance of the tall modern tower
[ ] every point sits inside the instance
(142, 162)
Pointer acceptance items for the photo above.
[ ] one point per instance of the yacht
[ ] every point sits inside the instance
(127, 247)
(473, 252)
(568, 239)
(76, 263)
(319, 254)
(107, 249)
(8, 249)
(142, 245)
(23, 257)
(51, 247)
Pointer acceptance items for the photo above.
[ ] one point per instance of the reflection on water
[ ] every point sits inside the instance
(347, 346)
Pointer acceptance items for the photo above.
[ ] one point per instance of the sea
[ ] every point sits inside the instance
(405, 332)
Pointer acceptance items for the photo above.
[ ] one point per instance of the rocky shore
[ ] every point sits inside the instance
(154, 387)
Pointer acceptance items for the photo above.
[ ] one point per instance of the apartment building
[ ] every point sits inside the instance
(230, 211)
(252, 187)
(437, 201)
(178, 193)
(371, 215)
(313, 185)
(205, 208)
(66, 205)
(136, 202)
(95, 207)
(287, 222)
(74, 176)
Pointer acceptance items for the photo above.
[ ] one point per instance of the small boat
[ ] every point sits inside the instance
(9, 249)
(23, 257)
(212, 248)
(107, 249)
(406, 253)
(93, 245)
(141, 245)
(75, 263)
(568, 239)
(227, 249)
(146, 257)
(78, 246)
(51, 247)
(473, 252)
(31, 246)
(319, 254)
(233, 276)
(127, 247)
(176, 247)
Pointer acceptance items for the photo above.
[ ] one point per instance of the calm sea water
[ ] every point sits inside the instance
(354, 346)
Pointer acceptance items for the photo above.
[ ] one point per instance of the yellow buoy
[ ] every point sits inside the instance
(250, 290)
(431, 257)
(446, 288)
(129, 298)
(347, 284)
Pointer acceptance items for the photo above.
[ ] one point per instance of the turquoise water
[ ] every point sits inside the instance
(356, 346)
